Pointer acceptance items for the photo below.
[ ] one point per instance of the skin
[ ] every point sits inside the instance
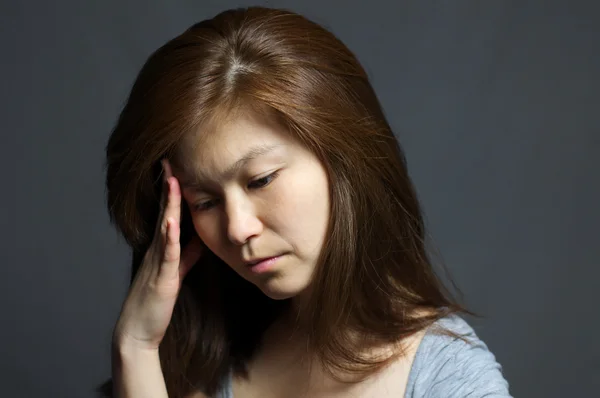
(276, 202)
(148, 307)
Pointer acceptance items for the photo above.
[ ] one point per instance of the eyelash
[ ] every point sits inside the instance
(262, 182)
(268, 180)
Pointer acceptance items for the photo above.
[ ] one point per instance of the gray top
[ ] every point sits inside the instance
(447, 367)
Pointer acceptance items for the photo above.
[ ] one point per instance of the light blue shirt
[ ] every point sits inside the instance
(445, 367)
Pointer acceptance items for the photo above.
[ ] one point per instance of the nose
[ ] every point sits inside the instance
(242, 221)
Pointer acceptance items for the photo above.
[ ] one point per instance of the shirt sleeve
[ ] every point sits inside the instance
(454, 368)
(470, 372)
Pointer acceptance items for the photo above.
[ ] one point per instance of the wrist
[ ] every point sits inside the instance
(129, 349)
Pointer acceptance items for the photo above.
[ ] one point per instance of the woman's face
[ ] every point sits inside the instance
(255, 193)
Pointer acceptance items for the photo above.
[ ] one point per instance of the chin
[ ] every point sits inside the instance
(280, 290)
(276, 295)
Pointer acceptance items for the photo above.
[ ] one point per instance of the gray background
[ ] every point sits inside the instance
(495, 102)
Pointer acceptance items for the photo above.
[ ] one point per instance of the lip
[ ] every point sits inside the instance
(263, 265)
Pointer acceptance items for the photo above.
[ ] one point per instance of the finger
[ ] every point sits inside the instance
(160, 227)
(190, 255)
(167, 170)
(171, 258)
(173, 205)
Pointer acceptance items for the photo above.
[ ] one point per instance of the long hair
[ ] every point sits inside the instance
(374, 273)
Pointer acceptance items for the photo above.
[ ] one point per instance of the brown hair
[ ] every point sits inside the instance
(378, 274)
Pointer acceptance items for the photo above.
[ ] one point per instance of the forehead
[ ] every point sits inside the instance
(217, 146)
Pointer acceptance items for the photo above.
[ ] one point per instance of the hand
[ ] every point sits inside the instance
(149, 305)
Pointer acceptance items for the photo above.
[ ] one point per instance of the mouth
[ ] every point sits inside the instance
(264, 264)
(258, 260)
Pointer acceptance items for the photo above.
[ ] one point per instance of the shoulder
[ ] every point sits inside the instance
(446, 366)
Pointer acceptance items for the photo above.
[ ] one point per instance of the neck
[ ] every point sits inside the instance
(299, 313)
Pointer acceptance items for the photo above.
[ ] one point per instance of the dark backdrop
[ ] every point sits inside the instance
(495, 102)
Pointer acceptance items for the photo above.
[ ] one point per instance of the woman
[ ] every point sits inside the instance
(278, 244)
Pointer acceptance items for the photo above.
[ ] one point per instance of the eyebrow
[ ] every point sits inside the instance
(253, 153)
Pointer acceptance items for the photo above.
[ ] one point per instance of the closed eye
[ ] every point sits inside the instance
(204, 205)
(256, 184)
(263, 182)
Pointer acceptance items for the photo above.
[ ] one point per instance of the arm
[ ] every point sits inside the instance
(149, 305)
(137, 373)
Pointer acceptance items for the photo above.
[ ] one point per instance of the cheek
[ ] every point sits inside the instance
(303, 210)
(207, 229)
